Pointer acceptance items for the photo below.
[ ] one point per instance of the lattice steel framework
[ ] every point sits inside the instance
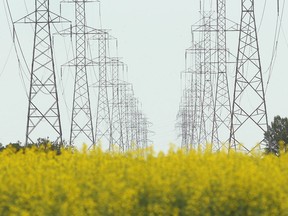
(198, 102)
(204, 77)
(43, 107)
(116, 123)
(222, 105)
(103, 115)
(184, 116)
(207, 100)
(249, 106)
(142, 129)
(116, 118)
(198, 84)
(125, 90)
(109, 124)
(190, 108)
(81, 121)
(135, 125)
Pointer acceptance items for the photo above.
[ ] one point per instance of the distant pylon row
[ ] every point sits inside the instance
(119, 121)
(205, 114)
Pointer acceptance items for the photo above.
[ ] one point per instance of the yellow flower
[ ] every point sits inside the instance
(94, 182)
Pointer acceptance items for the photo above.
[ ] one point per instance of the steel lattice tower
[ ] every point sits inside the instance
(103, 115)
(207, 94)
(113, 105)
(197, 85)
(248, 114)
(132, 112)
(144, 131)
(118, 117)
(125, 90)
(117, 121)
(190, 113)
(222, 105)
(43, 106)
(81, 120)
(198, 105)
(184, 116)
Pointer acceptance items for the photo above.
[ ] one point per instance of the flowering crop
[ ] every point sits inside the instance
(94, 182)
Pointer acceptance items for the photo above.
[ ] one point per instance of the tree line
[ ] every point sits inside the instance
(276, 139)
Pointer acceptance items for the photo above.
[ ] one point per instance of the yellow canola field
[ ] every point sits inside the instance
(99, 183)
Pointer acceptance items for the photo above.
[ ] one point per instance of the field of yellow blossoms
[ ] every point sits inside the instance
(34, 182)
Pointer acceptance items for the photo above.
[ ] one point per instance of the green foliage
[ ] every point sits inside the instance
(277, 136)
(42, 144)
(16, 146)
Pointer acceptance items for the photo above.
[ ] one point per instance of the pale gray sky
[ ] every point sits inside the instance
(153, 36)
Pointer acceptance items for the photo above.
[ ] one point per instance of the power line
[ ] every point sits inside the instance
(14, 35)
(275, 44)
(6, 61)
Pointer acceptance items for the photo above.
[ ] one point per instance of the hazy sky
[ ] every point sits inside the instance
(153, 36)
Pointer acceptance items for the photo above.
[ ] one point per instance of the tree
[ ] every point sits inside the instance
(42, 144)
(277, 135)
(17, 146)
(1, 147)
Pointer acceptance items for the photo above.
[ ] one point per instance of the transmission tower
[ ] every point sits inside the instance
(197, 85)
(125, 90)
(81, 121)
(108, 119)
(184, 116)
(205, 76)
(190, 108)
(116, 118)
(207, 100)
(135, 125)
(249, 113)
(43, 107)
(103, 115)
(142, 129)
(145, 124)
(197, 103)
(222, 106)
(113, 108)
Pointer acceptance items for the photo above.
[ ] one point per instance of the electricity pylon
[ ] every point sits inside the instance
(205, 76)
(191, 106)
(125, 90)
(222, 105)
(117, 121)
(249, 113)
(207, 97)
(43, 107)
(81, 121)
(103, 116)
